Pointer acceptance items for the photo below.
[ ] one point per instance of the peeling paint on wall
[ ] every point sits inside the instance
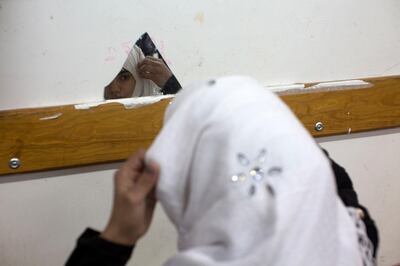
(128, 103)
(52, 117)
(336, 85)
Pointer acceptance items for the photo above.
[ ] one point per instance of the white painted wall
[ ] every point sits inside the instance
(58, 52)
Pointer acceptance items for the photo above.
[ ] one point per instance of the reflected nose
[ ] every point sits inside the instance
(112, 91)
(114, 87)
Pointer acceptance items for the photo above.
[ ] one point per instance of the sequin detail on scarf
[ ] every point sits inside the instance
(255, 173)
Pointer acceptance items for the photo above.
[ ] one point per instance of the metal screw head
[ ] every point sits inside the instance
(319, 126)
(14, 163)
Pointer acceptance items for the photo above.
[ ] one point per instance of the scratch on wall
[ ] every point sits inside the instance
(390, 68)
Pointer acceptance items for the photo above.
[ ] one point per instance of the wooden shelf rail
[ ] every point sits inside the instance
(110, 132)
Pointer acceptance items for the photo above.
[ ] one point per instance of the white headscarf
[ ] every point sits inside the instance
(143, 87)
(245, 184)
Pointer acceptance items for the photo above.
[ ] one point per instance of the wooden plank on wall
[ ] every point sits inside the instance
(101, 134)
(110, 132)
(349, 111)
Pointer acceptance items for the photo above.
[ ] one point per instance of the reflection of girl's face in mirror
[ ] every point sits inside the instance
(122, 86)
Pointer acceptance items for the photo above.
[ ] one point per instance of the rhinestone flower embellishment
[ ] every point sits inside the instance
(255, 174)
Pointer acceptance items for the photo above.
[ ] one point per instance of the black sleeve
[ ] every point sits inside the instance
(172, 86)
(349, 197)
(91, 249)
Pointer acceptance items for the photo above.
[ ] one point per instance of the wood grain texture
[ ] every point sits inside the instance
(110, 132)
(101, 134)
(349, 111)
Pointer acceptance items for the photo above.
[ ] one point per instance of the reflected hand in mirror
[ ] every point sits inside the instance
(144, 73)
(154, 69)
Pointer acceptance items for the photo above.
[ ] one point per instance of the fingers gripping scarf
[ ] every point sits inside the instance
(245, 184)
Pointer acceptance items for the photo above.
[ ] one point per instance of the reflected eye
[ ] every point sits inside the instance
(124, 77)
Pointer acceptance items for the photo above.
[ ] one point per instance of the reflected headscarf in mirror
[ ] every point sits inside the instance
(143, 87)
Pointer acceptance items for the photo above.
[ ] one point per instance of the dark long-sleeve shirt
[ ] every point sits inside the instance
(172, 86)
(93, 250)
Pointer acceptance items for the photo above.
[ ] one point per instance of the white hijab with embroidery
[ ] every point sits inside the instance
(143, 87)
(245, 184)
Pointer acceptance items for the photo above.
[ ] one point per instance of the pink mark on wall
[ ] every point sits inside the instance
(112, 51)
(111, 54)
(126, 47)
